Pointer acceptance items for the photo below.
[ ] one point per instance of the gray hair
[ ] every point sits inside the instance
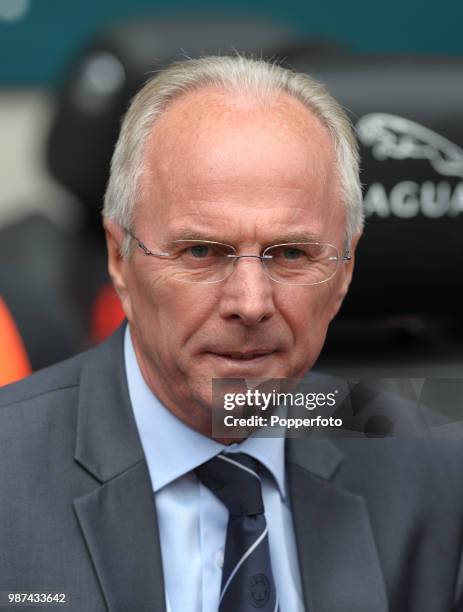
(238, 73)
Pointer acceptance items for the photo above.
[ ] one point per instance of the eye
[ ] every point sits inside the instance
(202, 252)
(288, 254)
(199, 251)
(291, 253)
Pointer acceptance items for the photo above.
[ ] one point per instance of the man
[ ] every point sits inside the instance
(232, 215)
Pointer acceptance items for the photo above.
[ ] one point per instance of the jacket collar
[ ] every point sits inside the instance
(107, 441)
(118, 518)
(338, 559)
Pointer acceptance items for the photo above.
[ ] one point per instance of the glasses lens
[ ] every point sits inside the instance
(200, 262)
(302, 264)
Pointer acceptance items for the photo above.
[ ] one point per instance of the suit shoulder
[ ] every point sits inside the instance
(414, 463)
(63, 375)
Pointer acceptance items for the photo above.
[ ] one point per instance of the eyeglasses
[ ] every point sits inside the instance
(294, 263)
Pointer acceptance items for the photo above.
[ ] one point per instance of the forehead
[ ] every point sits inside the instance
(214, 151)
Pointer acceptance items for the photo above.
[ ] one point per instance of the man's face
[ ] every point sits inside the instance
(248, 174)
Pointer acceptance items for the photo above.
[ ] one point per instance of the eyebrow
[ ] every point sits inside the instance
(280, 239)
(296, 237)
(192, 235)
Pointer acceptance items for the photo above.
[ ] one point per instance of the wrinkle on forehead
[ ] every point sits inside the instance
(210, 138)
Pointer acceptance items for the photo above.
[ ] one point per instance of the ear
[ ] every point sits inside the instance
(117, 265)
(345, 273)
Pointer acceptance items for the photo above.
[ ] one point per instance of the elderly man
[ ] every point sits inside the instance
(232, 215)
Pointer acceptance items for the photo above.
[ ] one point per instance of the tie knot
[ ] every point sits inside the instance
(235, 480)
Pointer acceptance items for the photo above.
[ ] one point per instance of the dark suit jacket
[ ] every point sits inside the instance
(378, 523)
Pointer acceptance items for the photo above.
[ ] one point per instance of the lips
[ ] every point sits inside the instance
(242, 355)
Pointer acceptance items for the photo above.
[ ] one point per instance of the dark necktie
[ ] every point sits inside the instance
(247, 579)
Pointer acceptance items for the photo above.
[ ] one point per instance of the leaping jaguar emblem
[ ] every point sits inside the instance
(394, 137)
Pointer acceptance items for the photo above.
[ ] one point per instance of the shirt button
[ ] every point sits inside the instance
(219, 559)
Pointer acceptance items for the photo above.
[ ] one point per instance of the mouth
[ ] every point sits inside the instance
(242, 356)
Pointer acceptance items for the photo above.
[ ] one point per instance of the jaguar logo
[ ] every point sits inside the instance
(391, 136)
(394, 137)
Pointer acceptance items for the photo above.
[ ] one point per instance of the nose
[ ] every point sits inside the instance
(247, 293)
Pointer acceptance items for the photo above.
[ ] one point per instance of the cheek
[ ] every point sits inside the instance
(168, 311)
(307, 311)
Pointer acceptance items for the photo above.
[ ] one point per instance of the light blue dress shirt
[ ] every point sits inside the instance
(192, 521)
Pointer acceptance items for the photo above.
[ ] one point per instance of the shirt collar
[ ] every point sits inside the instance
(158, 427)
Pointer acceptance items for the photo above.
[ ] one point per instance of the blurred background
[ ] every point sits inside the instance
(67, 73)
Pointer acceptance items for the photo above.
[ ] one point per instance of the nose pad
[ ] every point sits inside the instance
(236, 262)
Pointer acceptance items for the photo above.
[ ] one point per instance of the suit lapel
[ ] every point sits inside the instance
(118, 518)
(337, 553)
(119, 527)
